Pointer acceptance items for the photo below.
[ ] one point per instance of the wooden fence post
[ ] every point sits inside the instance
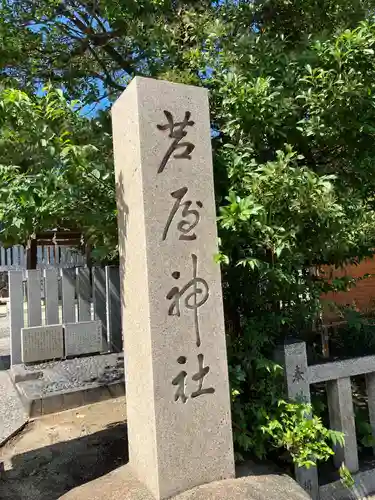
(114, 330)
(51, 296)
(68, 285)
(99, 299)
(34, 305)
(16, 314)
(83, 294)
(31, 254)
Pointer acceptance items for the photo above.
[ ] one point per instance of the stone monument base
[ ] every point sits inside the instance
(56, 386)
(121, 483)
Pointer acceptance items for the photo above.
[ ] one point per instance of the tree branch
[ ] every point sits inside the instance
(101, 40)
(108, 78)
(94, 14)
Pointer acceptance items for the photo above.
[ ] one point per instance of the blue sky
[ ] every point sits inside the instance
(89, 110)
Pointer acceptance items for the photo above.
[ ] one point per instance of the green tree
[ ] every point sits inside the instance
(56, 170)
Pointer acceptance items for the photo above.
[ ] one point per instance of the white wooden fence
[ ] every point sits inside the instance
(84, 296)
(48, 257)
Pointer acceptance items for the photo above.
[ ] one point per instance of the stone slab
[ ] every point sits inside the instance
(122, 483)
(41, 343)
(83, 338)
(178, 404)
(12, 413)
(20, 373)
(364, 486)
(37, 404)
(340, 369)
(72, 383)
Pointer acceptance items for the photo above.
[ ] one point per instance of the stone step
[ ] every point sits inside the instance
(56, 386)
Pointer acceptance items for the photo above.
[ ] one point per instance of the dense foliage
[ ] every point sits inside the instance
(56, 170)
(292, 88)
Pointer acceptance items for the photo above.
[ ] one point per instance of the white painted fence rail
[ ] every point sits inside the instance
(48, 257)
(84, 297)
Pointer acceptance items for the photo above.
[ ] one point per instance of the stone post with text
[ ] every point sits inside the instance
(178, 403)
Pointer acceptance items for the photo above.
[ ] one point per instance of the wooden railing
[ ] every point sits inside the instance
(48, 257)
(299, 377)
(70, 295)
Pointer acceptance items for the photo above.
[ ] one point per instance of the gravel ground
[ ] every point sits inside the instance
(75, 373)
(56, 453)
(12, 413)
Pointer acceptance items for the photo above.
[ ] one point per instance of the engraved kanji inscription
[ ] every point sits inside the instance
(199, 377)
(177, 132)
(191, 217)
(194, 294)
(180, 380)
(298, 374)
(301, 397)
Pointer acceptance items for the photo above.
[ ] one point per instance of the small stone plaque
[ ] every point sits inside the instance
(42, 343)
(84, 337)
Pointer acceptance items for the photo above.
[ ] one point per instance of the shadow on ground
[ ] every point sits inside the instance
(4, 362)
(49, 472)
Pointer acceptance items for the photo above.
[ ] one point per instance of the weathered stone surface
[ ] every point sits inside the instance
(341, 418)
(12, 413)
(20, 373)
(60, 385)
(121, 483)
(296, 371)
(364, 485)
(83, 338)
(340, 369)
(41, 343)
(298, 387)
(177, 382)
